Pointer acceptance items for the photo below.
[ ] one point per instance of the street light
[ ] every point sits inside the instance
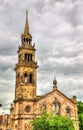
(1, 118)
(0, 109)
(0, 105)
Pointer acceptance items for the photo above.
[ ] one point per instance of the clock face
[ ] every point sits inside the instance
(27, 108)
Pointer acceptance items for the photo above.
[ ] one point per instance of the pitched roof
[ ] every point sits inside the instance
(45, 95)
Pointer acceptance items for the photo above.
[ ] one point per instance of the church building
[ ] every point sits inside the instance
(27, 105)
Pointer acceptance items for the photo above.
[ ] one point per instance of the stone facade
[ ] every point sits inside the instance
(27, 105)
(5, 122)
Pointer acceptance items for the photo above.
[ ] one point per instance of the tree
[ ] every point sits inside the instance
(80, 114)
(52, 122)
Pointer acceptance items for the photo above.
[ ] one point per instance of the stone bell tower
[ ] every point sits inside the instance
(26, 67)
(25, 88)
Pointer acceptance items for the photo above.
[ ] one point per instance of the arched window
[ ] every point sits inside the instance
(27, 40)
(24, 40)
(43, 108)
(31, 78)
(56, 108)
(30, 57)
(25, 57)
(25, 77)
(68, 111)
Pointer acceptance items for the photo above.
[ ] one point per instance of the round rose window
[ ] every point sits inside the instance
(27, 108)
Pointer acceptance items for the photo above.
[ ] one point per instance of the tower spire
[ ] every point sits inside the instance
(26, 29)
(26, 37)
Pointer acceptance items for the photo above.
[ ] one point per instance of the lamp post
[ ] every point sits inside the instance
(0, 115)
(0, 109)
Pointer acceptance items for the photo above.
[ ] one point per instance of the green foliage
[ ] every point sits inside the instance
(52, 122)
(80, 107)
(80, 114)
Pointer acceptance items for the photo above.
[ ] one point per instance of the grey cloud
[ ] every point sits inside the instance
(6, 88)
(8, 47)
(7, 62)
(6, 104)
(74, 16)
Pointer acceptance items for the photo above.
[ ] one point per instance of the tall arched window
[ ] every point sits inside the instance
(30, 57)
(24, 39)
(31, 78)
(25, 57)
(56, 108)
(27, 40)
(68, 111)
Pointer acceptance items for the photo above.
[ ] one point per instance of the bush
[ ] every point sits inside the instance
(52, 122)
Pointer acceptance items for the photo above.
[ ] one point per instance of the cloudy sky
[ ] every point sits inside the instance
(57, 30)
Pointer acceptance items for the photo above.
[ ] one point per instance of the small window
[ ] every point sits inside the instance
(25, 77)
(68, 111)
(5, 120)
(43, 108)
